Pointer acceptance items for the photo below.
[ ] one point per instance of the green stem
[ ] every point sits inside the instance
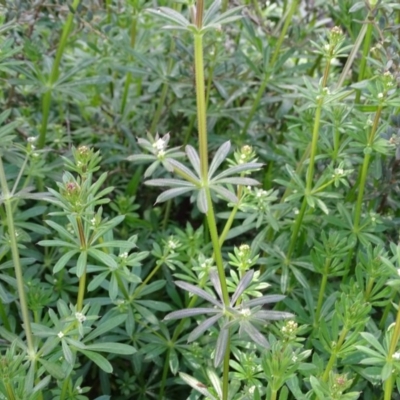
(368, 289)
(175, 336)
(10, 391)
(334, 354)
(64, 389)
(322, 292)
(271, 64)
(203, 153)
(309, 178)
(164, 90)
(160, 105)
(144, 283)
(4, 317)
(351, 57)
(256, 103)
(46, 100)
(386, 311)
(16, 260)
(128, 79)
(314, 147)
(167, 212)
(82, 279)
(296, 229)
(366, 50)
(388, 386)
(225, 377)
(364, 171)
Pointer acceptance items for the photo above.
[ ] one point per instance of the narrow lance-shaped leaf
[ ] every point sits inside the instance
(185, 171)
(225, 193)
(272, 315)
(171, 193)
(170, 15)
(193, 158)
(219, 158)
(238, 181)
(238, 169)
(202, 201)
(169, 182)
(197, 385)
(216, 283)
(255, 335)
(198, 292)
(220, 348)
(272, 298)
(205, 325)
(211, 12)
(243, 284)
(190, 312)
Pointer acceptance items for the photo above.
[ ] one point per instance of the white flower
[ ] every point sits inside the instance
(171, 244)
(159, 145)
(124, 255)
(60, 335)
(246, 312)
(380, 95)
(396, 356)
(31, 139)
(80, 317)
(339, 171)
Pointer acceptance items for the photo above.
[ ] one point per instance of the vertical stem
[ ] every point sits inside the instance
(388, 386)
(334, 354)
(82, 279)
(128, 78)
(314, 147)
(46, 100)
(322, 292)
(296, 229)
(364, 171)
(4, 318)
(201, 105)
(363, 62)
(203, 150)
(16, 260)
(267, 74)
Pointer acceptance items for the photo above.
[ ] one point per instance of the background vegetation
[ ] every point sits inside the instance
(209, 210)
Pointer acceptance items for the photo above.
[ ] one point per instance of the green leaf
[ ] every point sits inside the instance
(55, 370)
(60, 264)
(107, 325)
(172, 193)
(104, 258)
(81, 264)
(110, 347)
(69, 357)
(373, 342)
(99, 360)
(97, 281)
(219, 158)
(170, 15)
(56, 243)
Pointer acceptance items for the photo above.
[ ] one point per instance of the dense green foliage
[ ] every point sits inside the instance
(199, 199)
